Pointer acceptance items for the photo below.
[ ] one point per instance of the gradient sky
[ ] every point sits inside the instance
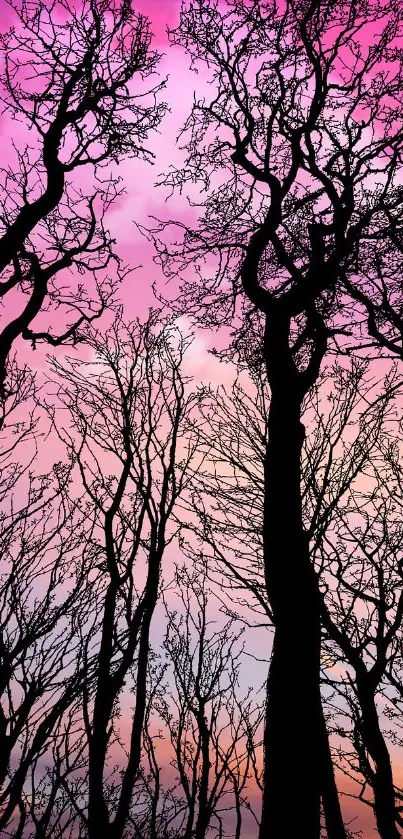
(143, 199)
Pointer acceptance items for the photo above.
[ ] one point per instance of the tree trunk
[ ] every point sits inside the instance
(203, 815)
(293, 718)
(330, 797)
(293, 737)
(372, 738)
(98, 814)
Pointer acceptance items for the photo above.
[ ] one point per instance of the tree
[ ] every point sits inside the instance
(68, 78)
(213, 728)
(127, 409)
(285, 153)
(351, 501)
(44, 602)
(363, 616)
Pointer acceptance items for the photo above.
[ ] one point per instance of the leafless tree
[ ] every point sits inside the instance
(359, 555)
(44, 602)
(349, 457)
(125, 433)
(213, 726)
(78, 77)
(285, 152)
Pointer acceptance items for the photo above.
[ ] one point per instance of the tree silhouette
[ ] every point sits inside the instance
(363, 615)
(126, 412)
(212, 727)
(78, 79)
(285, 152)
(44, 602)
(278, 498)
(351, 500)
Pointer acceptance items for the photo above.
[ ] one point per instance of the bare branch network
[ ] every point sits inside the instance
(201, 601)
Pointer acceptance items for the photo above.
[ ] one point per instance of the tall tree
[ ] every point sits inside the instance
(126, 436)
(351, 508)
(285, 151)
(362, 613)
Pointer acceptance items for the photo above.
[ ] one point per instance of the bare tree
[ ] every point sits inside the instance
(360, 558)
(286, 149)
(78, 78)
(44, 602)
(227, 504)
(126, 410)
(213, 726)
(350, 471)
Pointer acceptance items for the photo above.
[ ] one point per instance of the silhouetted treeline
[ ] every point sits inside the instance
(201, 588)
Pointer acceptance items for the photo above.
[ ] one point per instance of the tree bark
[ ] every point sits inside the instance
(98, 814)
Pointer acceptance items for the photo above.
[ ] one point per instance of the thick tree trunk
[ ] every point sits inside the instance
(293, 739)
(191, 804)
(98, 814)
(293, 733)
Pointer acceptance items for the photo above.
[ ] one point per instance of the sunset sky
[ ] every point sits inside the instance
(142, 200)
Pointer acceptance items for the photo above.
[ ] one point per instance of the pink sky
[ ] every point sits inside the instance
(143, 199)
